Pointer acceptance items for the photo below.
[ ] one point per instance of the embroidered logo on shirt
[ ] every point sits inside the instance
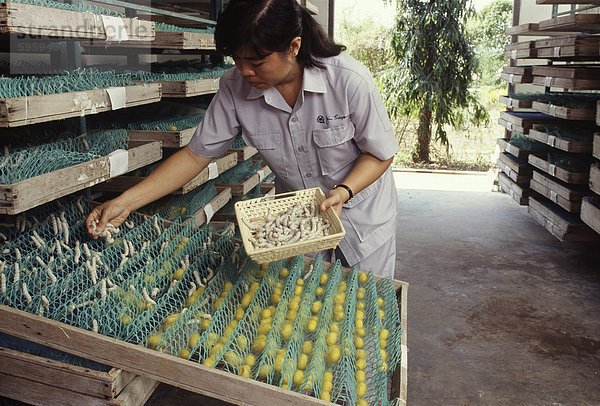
(326, 119)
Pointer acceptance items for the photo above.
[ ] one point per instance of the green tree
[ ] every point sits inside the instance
(487, 28)
(432, 69)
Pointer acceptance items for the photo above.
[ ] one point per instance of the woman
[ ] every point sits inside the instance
(313, 113)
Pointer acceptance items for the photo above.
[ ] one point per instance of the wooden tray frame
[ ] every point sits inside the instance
(168, 139)
(590, 72)
(519, 193)
(526, 53)
(249, 183)
(574, 178)
(565, 83)
(596, 145)
(564, 112)
(176, 40)
(16, 18)
(589, 23)
(38, 380)
(516, 79)
(590, 213)
(516, 151)
(515, 103)
(579, 52)
(178, 372)
(563, 145)
(521, 124)
(189, 88)
(122, 183)
(518, 173)
(243, 154)
(568, 199)
(557, 225)
(21, 111)
(223, 196)
(21, 196)
(595, 178)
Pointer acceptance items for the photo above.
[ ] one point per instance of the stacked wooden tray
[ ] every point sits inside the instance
(18, 197)
(564, 112)
(589, 23)
(566, 196)
(574, 47)
(571, 177)
(519, 170)
(517, 74)
(539, 134)
(561, 224)
(571, 77)
(513, 103)
(523, 122)
(520, 50)
(21, 111)
(248, 184)
(176, 40)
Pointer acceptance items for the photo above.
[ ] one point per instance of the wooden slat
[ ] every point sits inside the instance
(517, 170)
(567, 71)
(595, 178)
(122, 183)
(248, 184)
(41, 189)
(562, 225)
(63, 375)
(516, 151)
(137, 392)
(34, 20)
(168, 139)
(567, 40)
(216, 204)
(590, 213)
(518, 192)
(243, 154)
(579, 52)
(589, 23)
(566, 113)
(176, 40)
(514, 79)
(523, 29)
(189, 88)
(520, 45)
(512, 103)
(528, 53)
(596, 147)
(21, 111)
(570, 84)
(567, 198)
(576, 178)
(564, 145)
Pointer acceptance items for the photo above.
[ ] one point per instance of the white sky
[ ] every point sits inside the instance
(361, 9)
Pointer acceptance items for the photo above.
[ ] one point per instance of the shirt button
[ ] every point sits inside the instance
(308, 175)
(294, 119)
(300, 149)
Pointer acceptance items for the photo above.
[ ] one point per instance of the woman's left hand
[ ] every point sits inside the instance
(335, 198)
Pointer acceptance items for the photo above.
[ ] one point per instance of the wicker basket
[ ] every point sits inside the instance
(254, 209)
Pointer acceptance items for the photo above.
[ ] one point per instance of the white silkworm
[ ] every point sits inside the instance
(147, 298)
(187, 262)
(4, 237)
(163, 246)
(79, 206)
(132, 288)
(154, 292)
(17, 254)
(95, 326)
(77, 252)
(129, 224)
(65, 246)
(54, 225)
(131, 249)
(26, 294)
(66, 232)
(211, 274)
(58, 248)
(102, 288)
(2, 282)
(79, 305)
(172, 285)
(197, 277)
(125, 248)
(156, 227)
(123, 260)
(51, 275)
(145, 245)
(45, 301)
(17, 274)
(35, 241)
(86, 250)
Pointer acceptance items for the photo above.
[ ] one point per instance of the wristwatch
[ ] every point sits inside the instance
(347, 190)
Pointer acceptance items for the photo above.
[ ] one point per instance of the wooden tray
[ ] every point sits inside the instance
(122, 183)
(250, 183)
(571, 52)
(16, 18)
(564, 145)
(21, 111)
(243, 154)
(574, 178)
(564, 112)
(526, 53)
(531, 29)
(572, 77)
(519, 192)
(596, 146)
(522, 122)
(516, 169)
(29, 193)
(589, 23)
(168, 139)
(567, 197)
(516, 151)
(516, 74)
(590, 212)
(595, 178)
(515, 103)
(38, 380)
(189, 88)
(561, 224)
(178, 372)
(519, 45)
(567, 40)
(178, 40)
(216, 204)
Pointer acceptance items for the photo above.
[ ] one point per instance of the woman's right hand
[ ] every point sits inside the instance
(112, 211)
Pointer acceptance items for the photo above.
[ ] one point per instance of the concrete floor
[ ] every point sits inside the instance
(499, 311)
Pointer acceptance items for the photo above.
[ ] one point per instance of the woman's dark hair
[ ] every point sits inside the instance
(269, 26)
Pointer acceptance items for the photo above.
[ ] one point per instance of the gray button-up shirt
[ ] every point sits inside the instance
(338, 115)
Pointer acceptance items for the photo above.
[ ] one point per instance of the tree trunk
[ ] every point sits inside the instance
(424, 135)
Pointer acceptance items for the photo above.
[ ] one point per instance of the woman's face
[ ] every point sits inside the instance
(274, 69)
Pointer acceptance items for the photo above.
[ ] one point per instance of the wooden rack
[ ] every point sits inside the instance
(566, 196)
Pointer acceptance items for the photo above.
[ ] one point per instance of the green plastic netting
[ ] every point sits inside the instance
(75, 6)
(579, 134)
(185, 205)
(170, 27)
(240, 172)
(570, 162)
(23, 163)
(169, 124)
(523, 142)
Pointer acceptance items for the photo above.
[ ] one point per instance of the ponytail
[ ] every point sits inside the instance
(315, 42)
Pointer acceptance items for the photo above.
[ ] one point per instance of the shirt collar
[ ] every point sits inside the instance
(312, 81)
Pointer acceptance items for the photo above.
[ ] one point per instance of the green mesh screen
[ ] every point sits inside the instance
(169, 124)
(185, 205)
(523, 142)
(23, 163)
(75, 6)
(240, 172)
(170, 27)
(570, 162)
(578, 134)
